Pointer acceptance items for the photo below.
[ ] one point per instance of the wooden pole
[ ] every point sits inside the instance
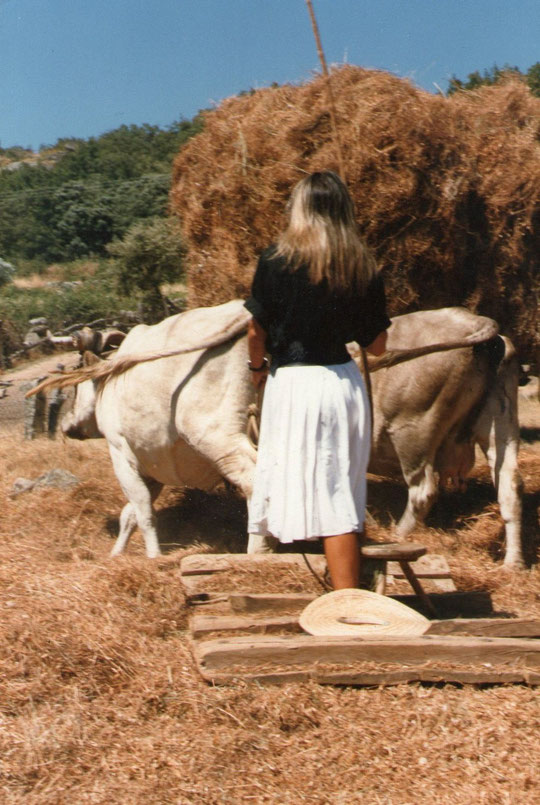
(331, 103)
(337, 140)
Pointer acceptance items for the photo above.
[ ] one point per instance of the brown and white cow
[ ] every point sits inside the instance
(430, 414)
(181, 420)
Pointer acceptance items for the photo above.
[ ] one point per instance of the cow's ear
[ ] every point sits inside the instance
(89, 359)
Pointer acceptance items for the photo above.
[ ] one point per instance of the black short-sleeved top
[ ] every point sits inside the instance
(307, 323)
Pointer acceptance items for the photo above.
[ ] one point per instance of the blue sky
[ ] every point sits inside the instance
(78, 68)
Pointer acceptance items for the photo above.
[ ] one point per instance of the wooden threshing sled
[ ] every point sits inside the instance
(239, 630)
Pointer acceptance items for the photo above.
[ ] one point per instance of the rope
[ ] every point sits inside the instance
(326, 587)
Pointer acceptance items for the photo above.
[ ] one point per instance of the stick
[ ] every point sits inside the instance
(328, 89)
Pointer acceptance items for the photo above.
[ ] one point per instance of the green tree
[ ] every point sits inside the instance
(496, 74)
(533, 78)
(75, 197)
(6, 272)
(149, 255)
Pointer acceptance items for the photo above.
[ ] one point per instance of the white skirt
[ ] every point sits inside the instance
(310, 476)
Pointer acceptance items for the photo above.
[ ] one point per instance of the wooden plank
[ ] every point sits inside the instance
(429, 566)
(203, 624)
(450, 605)
(453, 604)
(271, 602)
(241, 601)
(444, 585)
(197, 567)
(244, 652)
(208, 563)
(488, 627)
(193, 586)
(449, 673)
(404, 551)
(253, 620)
(384, 677)
(207, 599)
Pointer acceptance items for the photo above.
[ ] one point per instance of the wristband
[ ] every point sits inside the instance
(264, 365)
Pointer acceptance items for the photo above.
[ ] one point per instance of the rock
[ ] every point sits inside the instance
(31, 339)
(21, 485)
(61, 479)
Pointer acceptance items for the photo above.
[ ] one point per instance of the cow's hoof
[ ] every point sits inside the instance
(514, 565)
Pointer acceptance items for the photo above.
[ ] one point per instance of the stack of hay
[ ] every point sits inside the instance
(447, 190)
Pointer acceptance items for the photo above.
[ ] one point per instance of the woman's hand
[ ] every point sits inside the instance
(378, 346)
(257, 350)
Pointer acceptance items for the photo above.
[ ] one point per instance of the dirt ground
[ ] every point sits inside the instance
(100, 701)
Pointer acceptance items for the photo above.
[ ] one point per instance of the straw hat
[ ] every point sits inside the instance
(360, 613)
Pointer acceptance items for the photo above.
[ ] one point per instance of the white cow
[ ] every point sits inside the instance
(181, 420)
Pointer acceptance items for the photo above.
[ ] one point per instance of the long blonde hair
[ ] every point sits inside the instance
(323, 235)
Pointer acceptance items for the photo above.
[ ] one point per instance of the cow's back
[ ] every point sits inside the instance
(417, 404)
(165, 410)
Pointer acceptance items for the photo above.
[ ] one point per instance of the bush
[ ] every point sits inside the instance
(62, 305)
(6, 272)
(150, 254)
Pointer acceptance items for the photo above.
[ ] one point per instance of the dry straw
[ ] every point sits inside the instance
(447, 190)
(100, 700)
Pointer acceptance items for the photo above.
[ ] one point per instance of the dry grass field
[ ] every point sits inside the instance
(100, 701)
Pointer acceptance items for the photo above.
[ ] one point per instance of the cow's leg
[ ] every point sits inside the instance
(500, 444)
(421, 496)
(140, 493)
(236, 465)
(128, 521)
(497, 432)
(259, 544)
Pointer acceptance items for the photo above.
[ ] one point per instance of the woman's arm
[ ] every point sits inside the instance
(378, 346)
(257, 350)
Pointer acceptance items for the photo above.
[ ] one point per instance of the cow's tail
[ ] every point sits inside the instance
(394, 356)
(105, 370)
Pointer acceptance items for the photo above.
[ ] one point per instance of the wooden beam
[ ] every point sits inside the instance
(293, 603)
(429, 566)
(383, 677)
(203, 624)
(245, 652)
(488, 627)
(206, 563)
(451, 605)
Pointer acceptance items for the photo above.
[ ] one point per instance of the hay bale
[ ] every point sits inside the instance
(447, 190)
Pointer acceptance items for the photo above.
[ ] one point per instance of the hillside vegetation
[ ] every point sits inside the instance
(72, 199)
(89, 217)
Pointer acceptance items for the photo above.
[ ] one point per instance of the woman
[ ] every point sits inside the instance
(313, 292)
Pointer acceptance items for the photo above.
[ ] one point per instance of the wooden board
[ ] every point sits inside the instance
(201, 625)
(482, 658)
(206, 623)
(242, 634)
(488, 627)
(205, 563)
(450, 605)
(430, 567)
(375, 678)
